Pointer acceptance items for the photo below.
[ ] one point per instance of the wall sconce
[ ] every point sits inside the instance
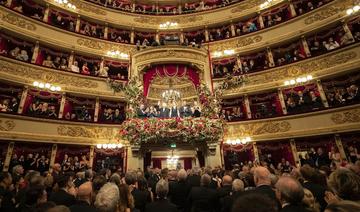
(298, 80)
(46, 86)
(238, 141)
(109, 146)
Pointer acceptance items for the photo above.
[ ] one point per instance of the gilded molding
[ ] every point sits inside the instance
(327, 12)
(170, 53)
(7, 125)
(246, 5)
(39, 74)
(86, 132)
(158, 20)
(103, 46)
(351, 116)
(236, 43)
(17, 21)
(267, 127)
(88, 8)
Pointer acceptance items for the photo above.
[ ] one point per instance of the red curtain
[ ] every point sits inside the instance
(277, 150)
(173, 70)
(156, 163)
(187, 163)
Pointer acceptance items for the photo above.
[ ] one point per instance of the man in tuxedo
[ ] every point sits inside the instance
(203, 198)
(321, 159)
(194, 179)
(164, 111)
(161, 204)
(185, 110)
(84, 199)
(226, 188)
(290, 194)
(63, 197)
(237, 191)
(141, 112)
(174, 111)
(179, 190)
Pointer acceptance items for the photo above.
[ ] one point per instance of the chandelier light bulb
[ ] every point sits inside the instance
(36, 83)
(292, 82)
(47, 85)
(105, 146)
(349, 11)
(98, 146)
(356, 8)
(41, 85)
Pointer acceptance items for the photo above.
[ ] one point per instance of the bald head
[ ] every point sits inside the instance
(289, 190)
(85, 191)
(227, 180)
(262, 176)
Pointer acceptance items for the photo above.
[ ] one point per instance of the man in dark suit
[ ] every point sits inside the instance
(203, 198)
(84, 199)
(226, 188)
(185, 110)
(237, 190)
(161, 204)
(321, 159)
(194, 179)
(263, 183)
(290, 194)
(179, 190)
(63, 197)
(141, 112)
(164, 111)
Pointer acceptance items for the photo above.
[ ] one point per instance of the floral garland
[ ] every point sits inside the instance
(191, 130)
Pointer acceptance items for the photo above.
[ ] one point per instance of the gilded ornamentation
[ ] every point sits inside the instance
(7, 125)
(269, 127)
(236, 42)
(87, 7)
(159, 20)
(170, 53)
(351, 116)
(42, 75)
(103, 46)
(245, 5)
(16, 20)
(86, 132)
(328, 12)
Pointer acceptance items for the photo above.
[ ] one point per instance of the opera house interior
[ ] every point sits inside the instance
(180, 105)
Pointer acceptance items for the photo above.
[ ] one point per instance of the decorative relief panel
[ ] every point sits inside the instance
(327, 12)
(103, 46)
(17, 21)
(86, 132)
(236, 43)
(88, 7)
(6, 125)
(170, 53)
(159, 20)
(351, 116)
(246, 5)
(42, 75)
(268, 127)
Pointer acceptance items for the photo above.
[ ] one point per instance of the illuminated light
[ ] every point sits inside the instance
(105, 146)
(36, 83)
(298, 80)
(229, 51)
(74, 7)
(237, 141)
(309, 77)
(349, 11)
(248, 139)
(243, 141)
(356, 8)
(233, 142)
(228, 141)
(57, 88)
(119, 146)
(52, 88)
(65, 1)
(286, 83)
(98, 146)
(41, 85)
(292, 82)
(47, 85)
(304, 79)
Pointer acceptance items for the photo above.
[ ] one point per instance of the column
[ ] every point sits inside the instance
(53, 156)
(157, 36)
(77, 25)
(7, 161)
(102, 63)
(132, 36)
(36, 52)
(247, 106)
(134, 159)
(294, 152)
(181, 36)
(256, 152)
(322, 93)
(347, 31)
(270, 57)
(239, 63)
(305, 46)
(71, 59)
(106, 31)
(179, 9)
(23, 100)
(62, 105)
(206, 34)
(97, 108)
(232, 30)
(46, 14)
(91, 156)
(292, 9)
(261, 21)
(340, 146)
(282, 101)
(213, 157)
(133, 7)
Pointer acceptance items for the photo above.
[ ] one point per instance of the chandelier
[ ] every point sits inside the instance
(170, 94)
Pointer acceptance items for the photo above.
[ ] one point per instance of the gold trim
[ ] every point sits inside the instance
(18, 21)
(352, 116)
(7, 125)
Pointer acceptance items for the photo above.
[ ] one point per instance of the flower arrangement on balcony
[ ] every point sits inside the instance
(189, 130)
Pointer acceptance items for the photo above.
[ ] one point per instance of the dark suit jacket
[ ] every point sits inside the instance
(61, 197)
(178, 193)
(266, 190)
(202, 199)
(228, 201)
(82, 206)
(161, 205)
(224, 191)
(294, 208)
(194, 180)
(141, 198)
(164, 112)
(318, 191)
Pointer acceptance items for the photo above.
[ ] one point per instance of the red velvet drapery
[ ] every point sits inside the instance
(170, 70)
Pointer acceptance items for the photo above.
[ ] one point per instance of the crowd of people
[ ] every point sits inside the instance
(250, 186)
(166, 9)
(343, 96)
(302, 101)
(111, 115)
(170, 110)
(9, 105)
(43, 109)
